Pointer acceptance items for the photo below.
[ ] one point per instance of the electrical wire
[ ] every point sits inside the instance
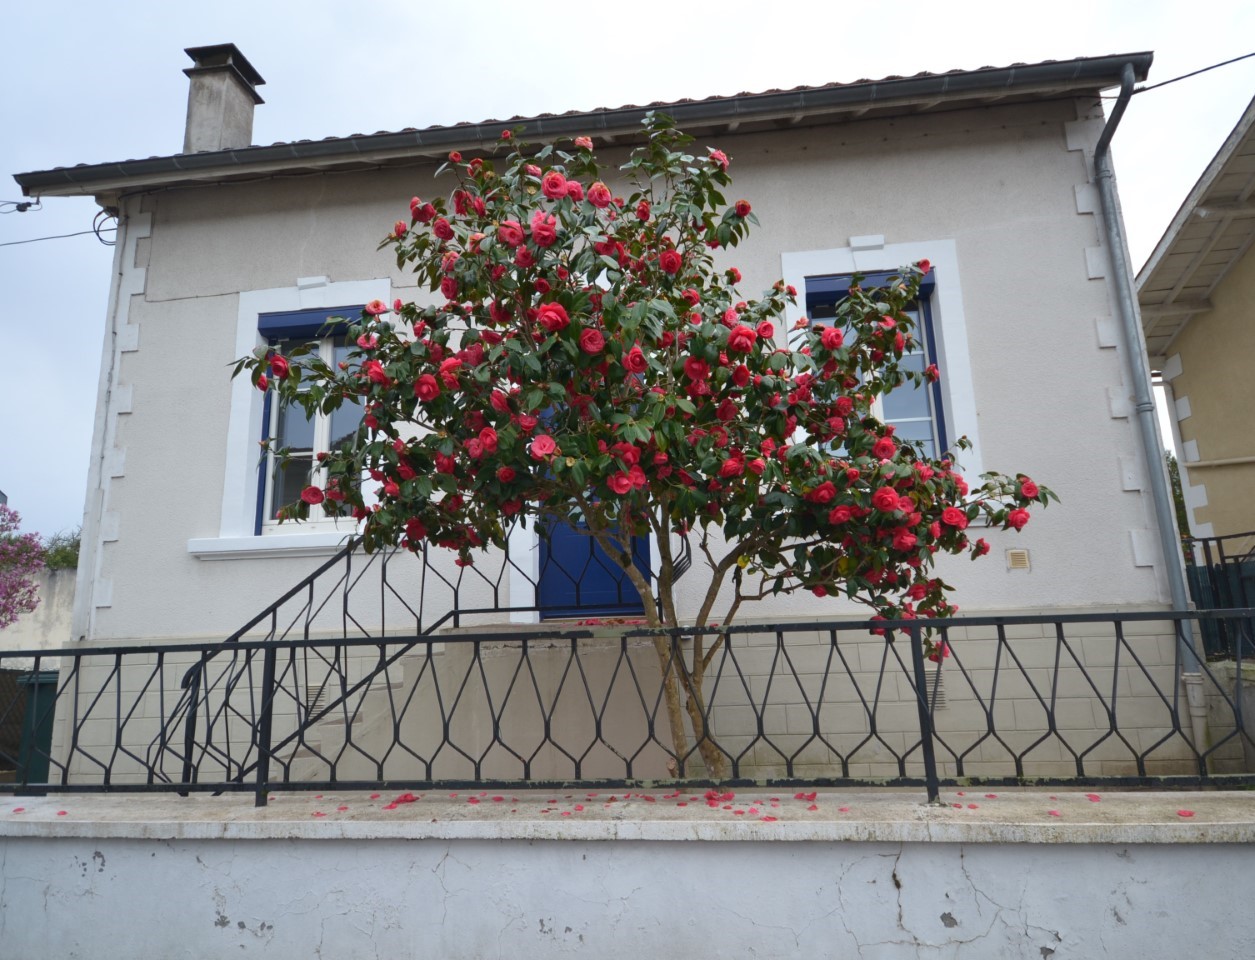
(1184, 76)
(102, 216)
(20, 206)
(57, 236)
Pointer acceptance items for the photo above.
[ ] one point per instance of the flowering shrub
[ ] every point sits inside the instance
(588, 359)
(21, 556)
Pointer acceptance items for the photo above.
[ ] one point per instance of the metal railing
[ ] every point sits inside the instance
(1093, 699)
(1221, 575)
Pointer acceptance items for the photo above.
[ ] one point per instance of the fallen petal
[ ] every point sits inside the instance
(1054, 813)
(1185, 813)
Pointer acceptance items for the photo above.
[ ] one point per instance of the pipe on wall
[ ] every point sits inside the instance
(1139, 367)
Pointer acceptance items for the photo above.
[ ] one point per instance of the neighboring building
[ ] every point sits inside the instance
(1197, 296)
(987, 173)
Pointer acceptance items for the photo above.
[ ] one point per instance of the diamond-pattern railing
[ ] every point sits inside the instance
(1094, 699)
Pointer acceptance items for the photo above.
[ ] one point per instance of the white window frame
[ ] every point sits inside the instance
(873, 255)
(238, 518)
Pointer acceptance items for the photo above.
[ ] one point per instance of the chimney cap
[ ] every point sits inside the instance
(220, 55)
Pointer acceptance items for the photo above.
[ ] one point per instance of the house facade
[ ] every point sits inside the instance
(1197, 297)
(988, 174)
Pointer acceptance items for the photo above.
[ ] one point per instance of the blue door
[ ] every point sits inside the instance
(578, 579)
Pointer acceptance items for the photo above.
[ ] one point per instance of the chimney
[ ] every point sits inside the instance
(220, 99)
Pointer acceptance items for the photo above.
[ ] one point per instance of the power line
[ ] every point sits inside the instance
(58, 236)
(1183, 76)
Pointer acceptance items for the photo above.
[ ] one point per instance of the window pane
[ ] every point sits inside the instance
(907, 401)
(293, 428)
(345, 421)
(290, 481)
(916, 430)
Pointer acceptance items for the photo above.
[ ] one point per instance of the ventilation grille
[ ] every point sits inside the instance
(1017, 559)
(936, 687)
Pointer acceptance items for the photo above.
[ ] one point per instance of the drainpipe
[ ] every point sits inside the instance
(1144, 406)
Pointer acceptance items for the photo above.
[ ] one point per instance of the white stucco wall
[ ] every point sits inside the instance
(48, 626)
(1008, 188)
(872, 883)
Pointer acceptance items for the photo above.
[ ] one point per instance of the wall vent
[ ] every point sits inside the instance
(935, 680)
(1017, 559)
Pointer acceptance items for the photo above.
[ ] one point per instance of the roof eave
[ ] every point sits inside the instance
(1090, 73)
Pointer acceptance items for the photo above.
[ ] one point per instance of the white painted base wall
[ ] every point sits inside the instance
(466, 899)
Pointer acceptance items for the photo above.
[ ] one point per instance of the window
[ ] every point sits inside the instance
(289, 426)
(940, 413)
(916, 412)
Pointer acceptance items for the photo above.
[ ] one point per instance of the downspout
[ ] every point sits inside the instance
(1144, 407)
(83, 626)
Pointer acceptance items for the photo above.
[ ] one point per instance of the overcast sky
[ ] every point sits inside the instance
(88, 82)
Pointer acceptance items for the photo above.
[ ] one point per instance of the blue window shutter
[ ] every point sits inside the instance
(294, 324)
(824, 293)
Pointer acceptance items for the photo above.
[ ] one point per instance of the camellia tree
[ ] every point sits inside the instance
(587, 360)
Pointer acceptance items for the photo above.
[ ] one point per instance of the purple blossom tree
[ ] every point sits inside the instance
(21, 556)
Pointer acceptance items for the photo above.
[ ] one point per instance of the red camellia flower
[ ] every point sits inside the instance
(575, 190)
(924, 266)
(375, 372)
(312, 496)
(599, 195)
(544, 229)
(904, 540)
(506, 474)
(553, 185)
(670, 262)
(426, 388)
(831, 338)
(634, 360)
(757, 466)
(553, 317)
(592, 341)
(884, 448)
(886, 499)
(1027, 487)
(584, 143)
(696, 369)
(263, 382)
(542, 447)
(449, 372)
(823, 494)
(1017, 518)
(740, 340)
(981, 548)
(399, 228)
(719, 158)
(442, 229)
(619, 482)
(841, 514)
(642, 211)
(742, 208)
(510, 232)
(765, 329)
(376, 307)
(954, 517)
(279, 366)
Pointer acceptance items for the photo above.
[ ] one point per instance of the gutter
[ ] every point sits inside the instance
(1139, 370)
(787, 106)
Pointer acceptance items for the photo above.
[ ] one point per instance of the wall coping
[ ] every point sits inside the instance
(835, 816)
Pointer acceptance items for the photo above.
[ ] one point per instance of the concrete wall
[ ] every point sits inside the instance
(48, 627)
(877, 886)
(1214, 390)
(1008, 187)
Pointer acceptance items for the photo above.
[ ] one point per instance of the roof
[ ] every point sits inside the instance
(1210, 233)
(770, 109)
